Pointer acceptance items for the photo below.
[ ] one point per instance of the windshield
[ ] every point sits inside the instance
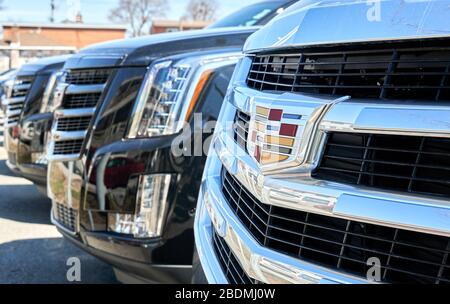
(256, 14)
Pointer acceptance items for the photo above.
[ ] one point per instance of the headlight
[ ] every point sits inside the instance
(150, 215)
(7, 91)
(169, 93)
(8, 87)
(50, 91)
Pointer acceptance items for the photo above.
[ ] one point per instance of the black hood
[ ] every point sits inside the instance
(43, 66)
(143, 50)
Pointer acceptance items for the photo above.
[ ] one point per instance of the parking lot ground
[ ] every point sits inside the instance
(31, 249)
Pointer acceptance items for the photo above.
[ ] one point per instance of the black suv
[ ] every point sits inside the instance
(126, 144)
(28, 118)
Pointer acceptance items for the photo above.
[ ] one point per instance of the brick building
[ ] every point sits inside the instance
(23, 42)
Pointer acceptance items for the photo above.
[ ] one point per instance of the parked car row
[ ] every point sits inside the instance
(329, 162)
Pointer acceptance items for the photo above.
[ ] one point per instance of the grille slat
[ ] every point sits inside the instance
(401, 72)
(88, 77)
(68, 124)
(88, 100)
(393, 162)
(405, 256)
(68, 147)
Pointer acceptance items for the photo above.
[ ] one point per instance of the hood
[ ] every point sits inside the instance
(43, 66)
(331, 22)
(141, 51)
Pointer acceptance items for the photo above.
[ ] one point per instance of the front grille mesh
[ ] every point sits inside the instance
(22, 86)
(232, 269)
(87, 100)
(405, 256)
(397, 71)
(68, 147)
(66, 216)
(88, 77)
(412, 164)
(73, 123)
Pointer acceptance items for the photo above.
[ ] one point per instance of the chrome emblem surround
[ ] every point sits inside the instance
(281, 130)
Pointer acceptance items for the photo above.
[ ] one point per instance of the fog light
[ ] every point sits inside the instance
(39, 158)
(151, 208)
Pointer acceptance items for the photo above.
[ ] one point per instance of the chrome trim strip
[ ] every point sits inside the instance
(411, 119)
(428, 219)
(11, 113)
(74, 112)
(72, 135)
(24, 86)
(13, 100)
(73, 89)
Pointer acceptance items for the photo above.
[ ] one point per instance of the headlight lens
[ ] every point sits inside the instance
(150, 215)
(49, 94)
(170, 91)
(163, 88)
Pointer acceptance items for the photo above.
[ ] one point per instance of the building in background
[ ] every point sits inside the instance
(164, 26)
(23, 42)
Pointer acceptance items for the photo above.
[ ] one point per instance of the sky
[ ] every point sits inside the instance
(93, 11)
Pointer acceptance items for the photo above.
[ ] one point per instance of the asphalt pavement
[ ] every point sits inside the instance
(31, 249)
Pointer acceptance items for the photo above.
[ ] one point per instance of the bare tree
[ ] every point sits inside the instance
(201, 10)
(138, 14)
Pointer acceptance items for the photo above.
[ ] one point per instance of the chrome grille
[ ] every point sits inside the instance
(412, 164)
(396, 71)
(66, 216)
(79, 93)
(87, 77)
(16, 100)
(231, 267)
(22, 85)
(73, 123)
(405, 256)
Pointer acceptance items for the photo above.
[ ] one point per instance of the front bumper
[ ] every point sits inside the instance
(145, 260)
(11, 148)
(35, 173)
(128, 266)
(260, 263)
